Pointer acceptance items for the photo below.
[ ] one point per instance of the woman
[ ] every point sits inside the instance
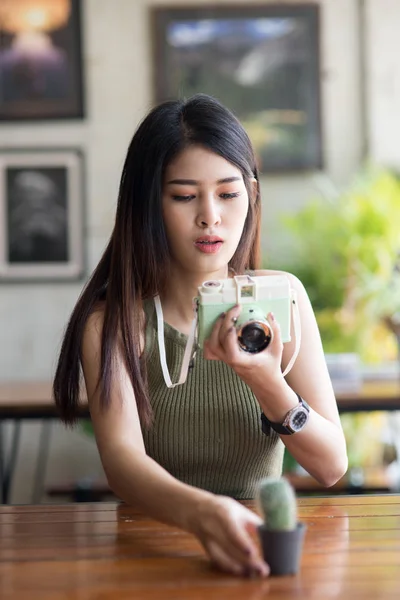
(189, 211)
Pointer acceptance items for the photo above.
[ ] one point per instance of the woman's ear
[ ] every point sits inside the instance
(254, 188)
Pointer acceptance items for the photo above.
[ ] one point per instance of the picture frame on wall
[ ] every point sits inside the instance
(41, 73)
(261, 61)
(41, 215)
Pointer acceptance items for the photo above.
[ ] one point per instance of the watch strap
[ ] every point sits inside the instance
(266, 424)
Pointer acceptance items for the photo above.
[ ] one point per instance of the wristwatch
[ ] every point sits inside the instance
(293, 422)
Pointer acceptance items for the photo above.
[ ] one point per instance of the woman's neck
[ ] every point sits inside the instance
(177, 298)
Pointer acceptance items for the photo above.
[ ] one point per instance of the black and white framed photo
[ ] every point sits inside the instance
(41, 215)
(41, 69)
(262, 61)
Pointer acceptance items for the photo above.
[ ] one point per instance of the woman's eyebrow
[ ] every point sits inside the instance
(183, 181)
(194, 182)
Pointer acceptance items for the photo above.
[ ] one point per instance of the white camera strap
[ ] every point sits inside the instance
(296, 329)
(161, 345)
(192, 336)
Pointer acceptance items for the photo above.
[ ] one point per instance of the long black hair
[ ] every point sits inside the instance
(136, 261)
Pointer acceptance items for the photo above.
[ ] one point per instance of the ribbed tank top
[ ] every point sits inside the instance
(206, 432)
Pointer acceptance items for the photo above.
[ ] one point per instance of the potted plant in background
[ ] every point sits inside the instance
(281, 535)
(346, 253)
(385, 303)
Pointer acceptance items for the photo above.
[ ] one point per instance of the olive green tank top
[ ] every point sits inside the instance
(207, 431)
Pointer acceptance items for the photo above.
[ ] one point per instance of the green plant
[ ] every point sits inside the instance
(345, 251)
(277, 502)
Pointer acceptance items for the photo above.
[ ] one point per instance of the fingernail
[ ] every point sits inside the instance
(272, 316)
(263, 570)
(222, 315)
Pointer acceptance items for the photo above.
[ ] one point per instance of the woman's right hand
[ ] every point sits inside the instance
(225, 528)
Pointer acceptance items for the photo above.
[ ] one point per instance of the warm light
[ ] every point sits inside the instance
(36, 18)
(19, 16)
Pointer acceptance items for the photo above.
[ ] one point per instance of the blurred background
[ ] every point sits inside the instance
(317, 86)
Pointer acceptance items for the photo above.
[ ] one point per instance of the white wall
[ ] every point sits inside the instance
(117, 66)
(383, 80)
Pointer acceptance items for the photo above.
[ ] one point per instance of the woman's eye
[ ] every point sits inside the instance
(228, 196)
(183, 198)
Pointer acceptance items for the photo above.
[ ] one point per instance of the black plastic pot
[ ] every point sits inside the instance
(282, 549)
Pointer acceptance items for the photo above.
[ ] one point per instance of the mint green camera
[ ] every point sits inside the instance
(258, 296)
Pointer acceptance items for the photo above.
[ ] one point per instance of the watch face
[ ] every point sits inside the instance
(298, 419)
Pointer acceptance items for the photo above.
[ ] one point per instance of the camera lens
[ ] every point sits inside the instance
(253, 337)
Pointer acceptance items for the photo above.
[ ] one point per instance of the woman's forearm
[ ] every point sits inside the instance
(320, 447)
(138, 480)
(222, 525)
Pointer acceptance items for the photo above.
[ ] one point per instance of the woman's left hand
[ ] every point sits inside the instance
(223, 345)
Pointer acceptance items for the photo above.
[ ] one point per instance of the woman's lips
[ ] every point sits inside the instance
(208, 247)
(209, 244)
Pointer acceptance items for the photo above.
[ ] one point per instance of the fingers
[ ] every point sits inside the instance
(223, 342)
(236, 540)
(276, 345)
(246, 523)
(223, 561)
(236, 544)
(240, 547)
(212, 344)
(238, 535)
(253, 521)
(227, 330)
(222, 339)
(224, 528)
(208, 353)
(252, 525)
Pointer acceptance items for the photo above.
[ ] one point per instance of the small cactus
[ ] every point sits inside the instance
(277, 502)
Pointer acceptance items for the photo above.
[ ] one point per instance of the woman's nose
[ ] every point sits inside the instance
(209, 213)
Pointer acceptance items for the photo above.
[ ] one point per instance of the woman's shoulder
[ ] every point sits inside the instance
(294, 281)
(93, 330)
(95, 320)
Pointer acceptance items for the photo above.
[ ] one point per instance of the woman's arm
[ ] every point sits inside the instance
(222, 525)
(320, 447)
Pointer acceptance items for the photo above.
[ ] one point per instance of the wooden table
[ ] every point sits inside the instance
(29, 400)
(108, 551)
(373, 395)
(33, 400)
(26, 401)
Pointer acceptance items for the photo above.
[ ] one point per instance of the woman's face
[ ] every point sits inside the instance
(205, 204)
